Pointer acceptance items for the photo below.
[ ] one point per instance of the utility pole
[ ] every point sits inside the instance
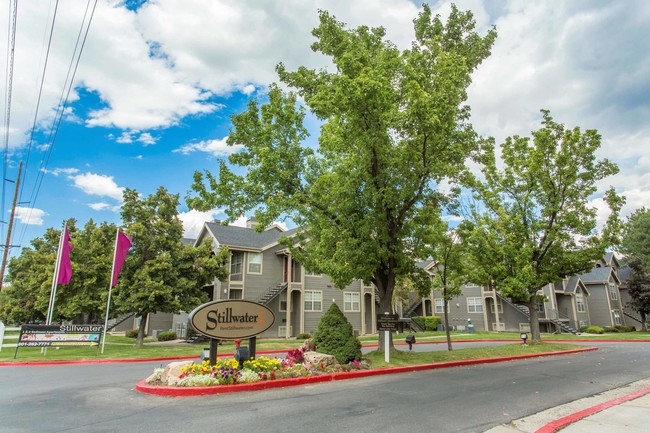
(10, 227)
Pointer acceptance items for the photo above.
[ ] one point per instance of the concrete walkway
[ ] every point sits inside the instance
(622, 410)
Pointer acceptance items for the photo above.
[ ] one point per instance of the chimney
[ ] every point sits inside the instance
(251, 223)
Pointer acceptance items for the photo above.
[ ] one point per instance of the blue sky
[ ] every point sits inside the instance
(157, 82)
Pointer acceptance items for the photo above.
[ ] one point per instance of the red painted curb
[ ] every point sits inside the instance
(171, 391)
(117, 361)
(556, 425)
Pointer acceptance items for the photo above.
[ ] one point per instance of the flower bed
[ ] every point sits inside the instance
(226, 371)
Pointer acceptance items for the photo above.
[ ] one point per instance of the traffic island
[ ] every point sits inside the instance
(192, 391)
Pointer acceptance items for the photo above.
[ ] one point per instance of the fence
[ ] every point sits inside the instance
(4, 329)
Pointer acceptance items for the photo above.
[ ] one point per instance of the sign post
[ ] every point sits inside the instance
(388, 323)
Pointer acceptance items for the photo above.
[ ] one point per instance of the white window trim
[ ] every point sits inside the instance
(617, 317)
(499, 303)
(305, 301)
(352, 309)
(249, 263)
(474, 305)
(580, 301)
(442, 307)
(613, 292)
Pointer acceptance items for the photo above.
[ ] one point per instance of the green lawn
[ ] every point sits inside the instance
(123, 347)
(400, 358)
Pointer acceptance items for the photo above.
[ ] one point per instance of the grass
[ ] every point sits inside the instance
(119, 347)
(400, 358)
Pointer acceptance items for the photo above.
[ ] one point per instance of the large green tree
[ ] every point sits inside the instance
(30, 276)
(533, 224)
(635, 244)
(161, 274)
(394, 125)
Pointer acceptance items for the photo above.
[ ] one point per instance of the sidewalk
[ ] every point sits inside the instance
(622, 410)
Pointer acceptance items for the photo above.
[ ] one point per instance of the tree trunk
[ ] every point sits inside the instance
(446, 316)
(535, 336)
(143, 324)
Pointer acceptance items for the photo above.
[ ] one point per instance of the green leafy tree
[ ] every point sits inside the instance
(639, 290)
(161, 274)
(30, 276)
(394, 125)
(335, 336)
(636, 237)
(450, 272)
(533, 224)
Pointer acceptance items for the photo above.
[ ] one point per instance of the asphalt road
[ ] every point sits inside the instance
(100, 398)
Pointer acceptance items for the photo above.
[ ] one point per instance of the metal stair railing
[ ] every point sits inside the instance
(119, 322)
(412, 307)
(633, 317)
(272, 293)
(523, 310)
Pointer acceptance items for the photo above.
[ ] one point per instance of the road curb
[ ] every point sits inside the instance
(171, 391)
(558, 424)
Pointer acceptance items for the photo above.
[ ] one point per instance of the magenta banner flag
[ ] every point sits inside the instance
(65, 266)
(122, 246)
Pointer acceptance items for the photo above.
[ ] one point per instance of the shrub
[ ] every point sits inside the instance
(610, 329)
(429, 323)
(592, 329)
(133, 333)
(623, 328)
(167, 336)
(335, 336)
(304, 336)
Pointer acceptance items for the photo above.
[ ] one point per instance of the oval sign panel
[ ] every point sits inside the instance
(231, 320)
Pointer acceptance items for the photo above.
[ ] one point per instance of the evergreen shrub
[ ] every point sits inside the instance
(592, 329)
(335, 336)
(304, 336)
(430, 323)
(167, 336)
(133, 333)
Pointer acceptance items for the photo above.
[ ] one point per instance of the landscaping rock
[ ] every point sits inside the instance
(307, 346)
(321, 361)
(171, 373)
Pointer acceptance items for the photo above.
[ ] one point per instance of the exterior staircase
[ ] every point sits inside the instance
(272, 293)
(121, 320)
(412, 307)
(524, 310)
(633, 317)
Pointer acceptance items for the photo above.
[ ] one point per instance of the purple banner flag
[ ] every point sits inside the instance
(122, 246)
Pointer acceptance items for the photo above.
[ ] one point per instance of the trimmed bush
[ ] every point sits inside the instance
(429, 323)
(335, 336)
(133, 333)
(167, 336)
(592, 329)
(303, 336)
(623, 328)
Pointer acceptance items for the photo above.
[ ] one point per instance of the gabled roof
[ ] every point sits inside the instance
(236, 237)
(599, 275)
(425, 264)
(624, 273)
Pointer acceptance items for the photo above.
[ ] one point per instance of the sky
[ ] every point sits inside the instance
(149, 99)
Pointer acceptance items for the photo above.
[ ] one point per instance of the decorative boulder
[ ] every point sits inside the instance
(321, 361)
(171, 373)
(307, 346)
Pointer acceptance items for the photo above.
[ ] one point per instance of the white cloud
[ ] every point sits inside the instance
(99, 185)
(99, 206)
(58, 171)
(146, 139)
(29, 215)
(193, 221)
(213, 147)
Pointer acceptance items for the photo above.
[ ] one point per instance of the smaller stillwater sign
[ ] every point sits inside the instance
(59, 335)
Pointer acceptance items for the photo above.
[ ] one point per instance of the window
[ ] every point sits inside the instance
(474, 305)
(236, 262)
(580, 303)
(351, 302)
(313, 300)
(283, 300)
(499, 304)
(254, 263)
(617, 317)
(524, 327)
(440, 306)
(539, 307)
(236, 294)
(613, 292)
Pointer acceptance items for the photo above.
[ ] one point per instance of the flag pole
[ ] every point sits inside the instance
(55, 279)
(110, 288)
